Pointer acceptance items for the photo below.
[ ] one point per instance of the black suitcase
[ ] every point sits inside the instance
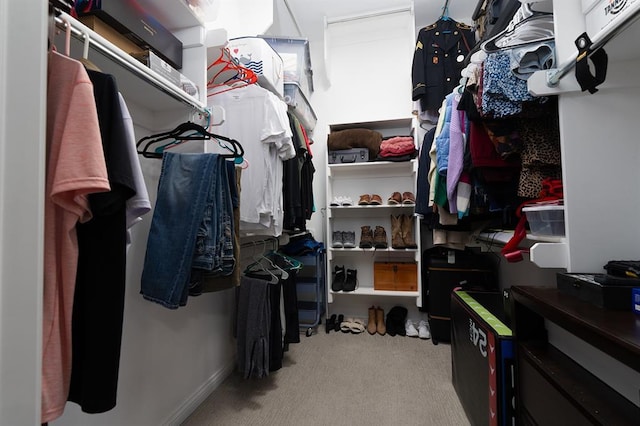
(354, 155)
(446, 269)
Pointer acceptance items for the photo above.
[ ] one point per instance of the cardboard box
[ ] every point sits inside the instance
(100, 27)
(395, 276)
(130, 20)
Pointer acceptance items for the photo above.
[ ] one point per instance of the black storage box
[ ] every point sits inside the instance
(128, 18)
(482, 358)
(354, 155)
(444, 270)
(590, 288)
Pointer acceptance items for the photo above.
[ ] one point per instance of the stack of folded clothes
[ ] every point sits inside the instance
(397, 148)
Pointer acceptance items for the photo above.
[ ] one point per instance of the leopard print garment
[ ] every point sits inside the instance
(540, 154)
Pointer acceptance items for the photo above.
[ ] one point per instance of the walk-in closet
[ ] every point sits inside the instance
(288, 212)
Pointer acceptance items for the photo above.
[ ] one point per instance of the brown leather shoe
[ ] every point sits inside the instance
(365, 200)
(396, 232)
(371, 325)
(366, 237)
(396, 198)
(380, 238)
(375, 200)
(407, 232)
(380, 327)
(408, 198)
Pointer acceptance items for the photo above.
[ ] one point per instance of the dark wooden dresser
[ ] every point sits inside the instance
(551, 388)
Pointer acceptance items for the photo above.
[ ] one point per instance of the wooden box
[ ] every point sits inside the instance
(395, 276)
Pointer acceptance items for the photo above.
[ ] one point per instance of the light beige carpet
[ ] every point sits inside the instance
(343, 379)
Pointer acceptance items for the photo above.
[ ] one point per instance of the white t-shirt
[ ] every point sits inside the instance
(257, 119)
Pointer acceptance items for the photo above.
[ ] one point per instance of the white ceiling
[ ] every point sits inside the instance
(310, 14)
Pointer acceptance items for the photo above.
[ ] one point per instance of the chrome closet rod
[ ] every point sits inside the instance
(554, 76)
(78, 30)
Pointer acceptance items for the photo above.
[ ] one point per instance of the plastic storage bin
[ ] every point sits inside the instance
(299, 105)
(545, 220)
(257, 55)
(296, 59)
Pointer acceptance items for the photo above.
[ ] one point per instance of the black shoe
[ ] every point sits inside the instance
(338, 278)
(330, 324)
(338, 322)
(351, 280)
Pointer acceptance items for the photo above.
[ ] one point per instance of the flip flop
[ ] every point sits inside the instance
(356, 326)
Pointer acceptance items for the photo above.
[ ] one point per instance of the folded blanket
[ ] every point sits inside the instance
(355, 138)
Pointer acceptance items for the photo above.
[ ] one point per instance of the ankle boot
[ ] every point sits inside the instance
(407, 232)
(396, 232)
(380, 327)
(371, 325)
(366, 237)
(380, 238)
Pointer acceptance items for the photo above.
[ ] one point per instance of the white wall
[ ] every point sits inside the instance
(369, 79)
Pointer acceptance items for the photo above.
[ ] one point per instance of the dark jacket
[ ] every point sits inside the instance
(438, 60)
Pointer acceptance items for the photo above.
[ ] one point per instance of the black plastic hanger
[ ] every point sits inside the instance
(187, 131)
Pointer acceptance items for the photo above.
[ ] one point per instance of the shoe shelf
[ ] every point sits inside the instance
(353, 181)
(373, 169)
(371, 292)
(360, 211)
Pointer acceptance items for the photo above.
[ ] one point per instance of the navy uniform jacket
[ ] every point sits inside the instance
(438, 60)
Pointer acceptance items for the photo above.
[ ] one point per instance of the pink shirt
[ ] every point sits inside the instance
(75, 168)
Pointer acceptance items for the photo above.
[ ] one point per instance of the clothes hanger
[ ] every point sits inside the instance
(445, 11)
(293, 264)
(85, 54)
(275, 270)
(187, 131)
(226, 71)
(526, 27)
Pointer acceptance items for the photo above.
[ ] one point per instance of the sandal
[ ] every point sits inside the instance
(345, 326)
(356, 326)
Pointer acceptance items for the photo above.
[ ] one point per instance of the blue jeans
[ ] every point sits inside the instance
(183, 193)
(214, 242)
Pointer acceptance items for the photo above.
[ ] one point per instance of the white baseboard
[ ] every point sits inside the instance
(191, 403)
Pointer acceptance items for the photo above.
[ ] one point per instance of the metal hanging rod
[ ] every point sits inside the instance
(349, 18)
(602, 38)
(104, 46)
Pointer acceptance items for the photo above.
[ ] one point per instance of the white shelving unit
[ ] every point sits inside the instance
(374, 177)
(598, 136)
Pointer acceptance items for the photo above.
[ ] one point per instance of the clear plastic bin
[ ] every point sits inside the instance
(296, 59)
(299, 105)
(545, 220)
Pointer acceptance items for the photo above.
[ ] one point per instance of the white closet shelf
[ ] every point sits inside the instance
(158, 92)
(373, 168)
(368, 291)
(551, 252)
(359, 250)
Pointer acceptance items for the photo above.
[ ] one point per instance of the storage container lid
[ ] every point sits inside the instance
(542, 208)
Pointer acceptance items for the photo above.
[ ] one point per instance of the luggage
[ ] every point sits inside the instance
(354, 155)
(446, 269)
